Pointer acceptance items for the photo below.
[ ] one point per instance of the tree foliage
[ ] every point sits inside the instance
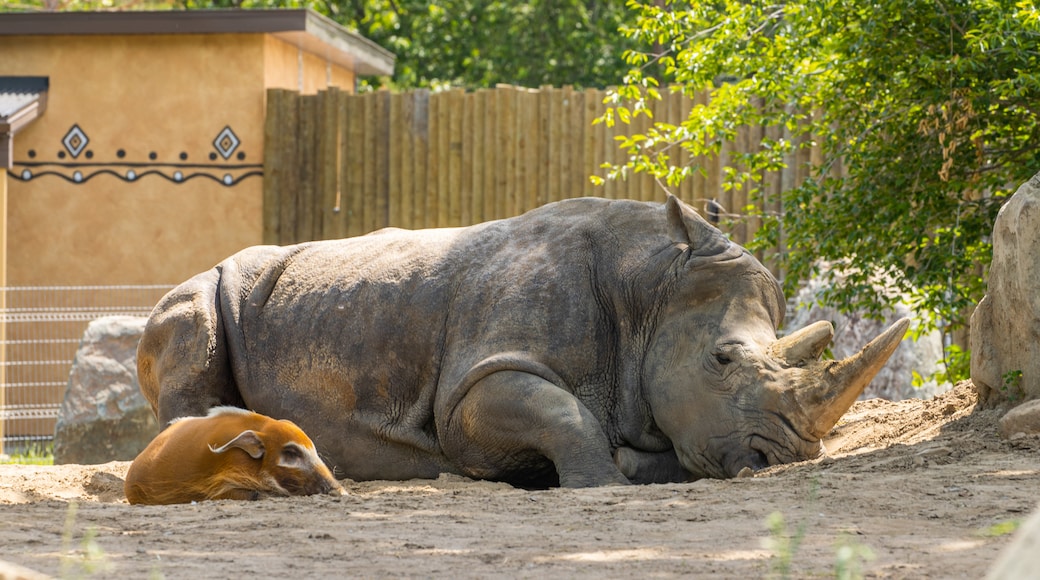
(479, 43)
(930, 106)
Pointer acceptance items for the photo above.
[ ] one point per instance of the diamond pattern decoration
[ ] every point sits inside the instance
(226, 143)
(75, 141)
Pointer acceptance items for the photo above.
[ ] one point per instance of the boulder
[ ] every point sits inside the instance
(12, 571)
(894, 381)
(1005, 327)
(1023, 419)
(1021, 558)
(104, 417)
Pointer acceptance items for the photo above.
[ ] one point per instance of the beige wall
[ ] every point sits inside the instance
(288, 67)
(167, 95)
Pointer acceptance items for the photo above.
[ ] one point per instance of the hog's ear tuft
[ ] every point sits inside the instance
(247, 441)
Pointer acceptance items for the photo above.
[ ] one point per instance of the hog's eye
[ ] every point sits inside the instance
(291, 452)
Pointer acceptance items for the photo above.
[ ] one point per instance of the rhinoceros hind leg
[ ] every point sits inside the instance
(510, 421)
(182, 361)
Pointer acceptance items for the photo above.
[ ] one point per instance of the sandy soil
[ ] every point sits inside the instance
(926, 489)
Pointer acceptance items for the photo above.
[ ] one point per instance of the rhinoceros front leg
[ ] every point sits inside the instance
(510, 421)
(651, 467)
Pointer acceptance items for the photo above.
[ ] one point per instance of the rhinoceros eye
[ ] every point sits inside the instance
(723, 358)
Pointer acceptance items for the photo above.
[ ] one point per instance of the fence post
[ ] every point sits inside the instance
(354, 164)
(329, 201)
(484, 206)
(3, 303)
(396, 176)
(280, 166)
(455, 111)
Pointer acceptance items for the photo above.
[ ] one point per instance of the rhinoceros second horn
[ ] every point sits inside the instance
(804, 345)
(840, 383)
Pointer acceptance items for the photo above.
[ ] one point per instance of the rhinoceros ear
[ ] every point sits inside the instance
(690, 228)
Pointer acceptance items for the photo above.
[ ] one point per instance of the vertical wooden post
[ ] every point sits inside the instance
(455, 112)
(434, 161)
(478, 104)
(354, 161)
(3, 303)
(370, 155)
(469, 143)
(546, 143)
(420, 147)
(608, 153)
(281, 166)
(574, 144)
(771, 201)
(328, 155)
(404, 140)
(681, 107)
(490, 157)
(382, 168)
(558, 153)
(397, 176)
(701, 179)
(443, 158)
(505, 191)
(590, 165)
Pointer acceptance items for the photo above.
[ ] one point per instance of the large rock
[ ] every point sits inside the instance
(1024, 419)
(894, 381)
(1021, 558)
(1005, 328)
(104, 417)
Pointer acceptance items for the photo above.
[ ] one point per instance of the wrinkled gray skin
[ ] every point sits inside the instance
(587, 342)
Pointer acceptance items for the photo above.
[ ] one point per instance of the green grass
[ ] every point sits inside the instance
(32, 454)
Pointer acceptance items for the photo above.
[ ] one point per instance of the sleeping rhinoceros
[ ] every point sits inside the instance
(587, 342)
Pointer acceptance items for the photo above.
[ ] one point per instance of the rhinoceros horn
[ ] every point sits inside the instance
(835, 385)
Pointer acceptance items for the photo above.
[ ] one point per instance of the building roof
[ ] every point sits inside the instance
(22, 100)
(304, 28)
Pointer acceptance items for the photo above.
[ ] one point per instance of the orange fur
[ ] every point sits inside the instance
(200, 458)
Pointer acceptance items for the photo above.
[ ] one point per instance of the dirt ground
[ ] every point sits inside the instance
(915, 489)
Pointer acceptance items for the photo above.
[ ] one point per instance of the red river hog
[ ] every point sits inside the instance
(231, 453)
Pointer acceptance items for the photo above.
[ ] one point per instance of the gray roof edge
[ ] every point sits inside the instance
(372, 58)
(151, 22)
(22, 100)
(22, 84)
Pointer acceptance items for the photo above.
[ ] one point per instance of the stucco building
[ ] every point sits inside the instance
(142, 162)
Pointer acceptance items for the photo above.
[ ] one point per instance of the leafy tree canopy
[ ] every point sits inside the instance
(931, 107)
(479, 43)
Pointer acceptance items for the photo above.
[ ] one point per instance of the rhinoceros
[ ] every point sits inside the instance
(586, 342)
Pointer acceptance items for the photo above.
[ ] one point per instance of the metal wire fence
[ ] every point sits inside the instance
(41, 330)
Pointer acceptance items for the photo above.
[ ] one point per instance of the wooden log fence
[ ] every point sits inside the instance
(339, 164)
